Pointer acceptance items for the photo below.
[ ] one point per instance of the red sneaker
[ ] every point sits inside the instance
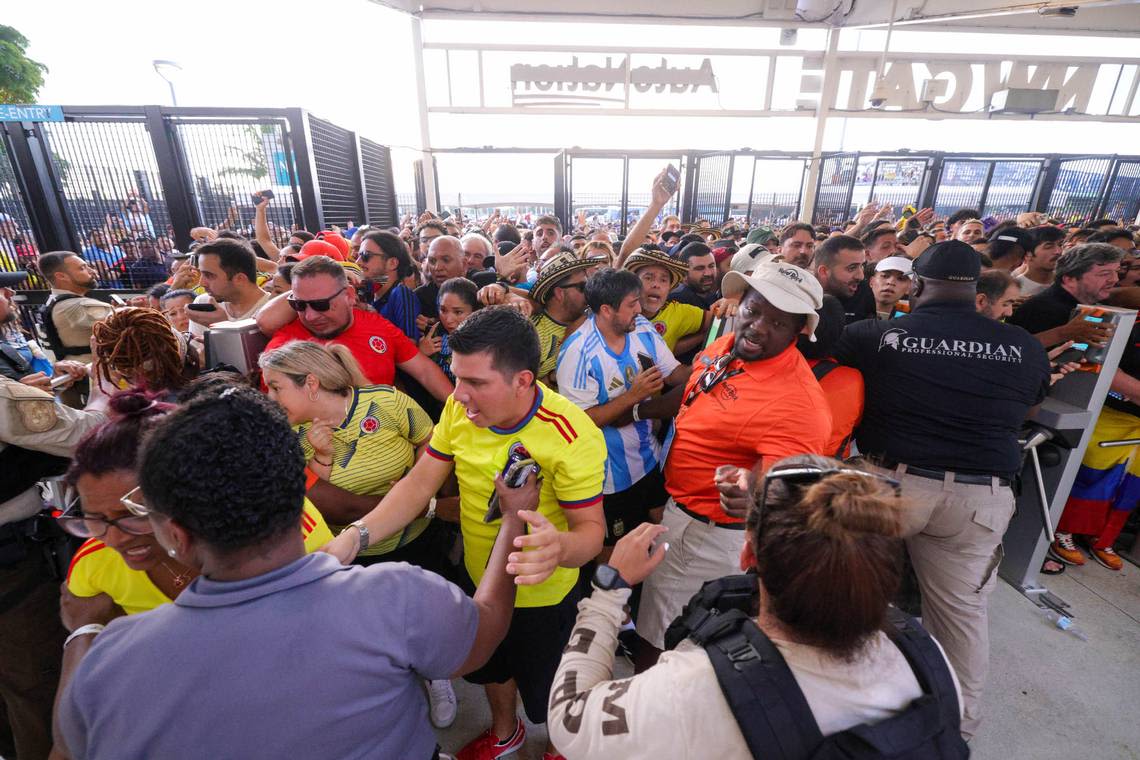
(487, 746)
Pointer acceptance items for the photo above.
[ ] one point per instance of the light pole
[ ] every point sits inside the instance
(163, 69)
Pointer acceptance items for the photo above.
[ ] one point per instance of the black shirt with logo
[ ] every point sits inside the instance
(860, 305)
(945, 387)
(685, 294)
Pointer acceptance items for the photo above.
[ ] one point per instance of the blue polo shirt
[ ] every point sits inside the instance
(313, 659)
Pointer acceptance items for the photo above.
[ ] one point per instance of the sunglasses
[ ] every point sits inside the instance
(76, 523)
(316, 304)
(806, 474)
(717, 372)
(579, 286)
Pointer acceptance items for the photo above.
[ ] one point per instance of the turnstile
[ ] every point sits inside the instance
(1055, 445)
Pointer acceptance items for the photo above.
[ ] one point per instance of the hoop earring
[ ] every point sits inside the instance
(313, 396)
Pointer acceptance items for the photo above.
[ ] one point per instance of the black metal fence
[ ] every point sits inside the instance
(109, 181)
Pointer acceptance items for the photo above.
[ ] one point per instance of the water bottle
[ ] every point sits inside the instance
(1064, 623)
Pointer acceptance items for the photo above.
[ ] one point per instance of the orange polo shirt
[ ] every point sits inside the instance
(771, 410)
(843, 387)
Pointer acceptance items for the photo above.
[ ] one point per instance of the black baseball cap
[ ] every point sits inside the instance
(950, 260)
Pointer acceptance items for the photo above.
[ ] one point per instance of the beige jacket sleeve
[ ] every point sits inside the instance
(30, 418)
(593, 716)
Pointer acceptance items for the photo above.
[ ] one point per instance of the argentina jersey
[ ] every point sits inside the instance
(590, 374)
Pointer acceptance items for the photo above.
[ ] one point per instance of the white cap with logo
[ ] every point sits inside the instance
(895, 264)
(786, 286)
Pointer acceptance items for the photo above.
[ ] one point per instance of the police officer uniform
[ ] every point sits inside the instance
(72, 317)
(36, 434)
(947, 390)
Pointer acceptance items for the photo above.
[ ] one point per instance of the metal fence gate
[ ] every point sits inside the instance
(109, 180)
(998, 188)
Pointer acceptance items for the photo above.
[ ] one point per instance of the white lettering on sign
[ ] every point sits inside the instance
(20, 112)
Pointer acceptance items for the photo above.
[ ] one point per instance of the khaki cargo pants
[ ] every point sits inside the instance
(953, 533)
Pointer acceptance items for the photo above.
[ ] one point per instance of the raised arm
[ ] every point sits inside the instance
(261, 230)
(636, 236)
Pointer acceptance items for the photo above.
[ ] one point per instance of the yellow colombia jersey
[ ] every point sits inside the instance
(676, 320)
(98, 569)
(568, 448)
(550, 335)
(375, 447)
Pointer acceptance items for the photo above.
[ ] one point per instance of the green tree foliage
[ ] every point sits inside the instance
(20, 76)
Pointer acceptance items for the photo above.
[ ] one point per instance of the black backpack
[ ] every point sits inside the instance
(769, 707)
(55, 343)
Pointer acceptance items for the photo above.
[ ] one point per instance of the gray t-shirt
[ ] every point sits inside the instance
(311, 660)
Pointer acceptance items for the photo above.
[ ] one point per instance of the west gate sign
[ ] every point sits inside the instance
(488, 78)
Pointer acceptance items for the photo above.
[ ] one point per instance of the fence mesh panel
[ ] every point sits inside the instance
(228, 163)
(334, 154)
(1077, 191)
(17, 243)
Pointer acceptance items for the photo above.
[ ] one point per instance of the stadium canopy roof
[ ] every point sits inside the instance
(1070, 17)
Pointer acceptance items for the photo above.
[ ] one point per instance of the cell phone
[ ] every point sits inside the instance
(515, 471)
(117, 300)
(60, 380)
(259, 196)
(201, 307)
(672, 177)
(645, 361)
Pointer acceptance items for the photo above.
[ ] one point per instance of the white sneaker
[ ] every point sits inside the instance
(443, 704)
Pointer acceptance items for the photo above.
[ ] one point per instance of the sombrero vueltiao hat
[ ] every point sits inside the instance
(556, 270)
(644, 257)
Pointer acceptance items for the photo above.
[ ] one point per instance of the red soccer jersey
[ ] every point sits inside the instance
(375, 342)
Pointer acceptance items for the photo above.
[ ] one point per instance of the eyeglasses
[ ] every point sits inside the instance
(76, 523)
(579, 286)
(717, 372)
(316, 304)
(134, 505)
(805, 474)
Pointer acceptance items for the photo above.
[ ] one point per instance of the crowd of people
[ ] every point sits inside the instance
(506, 453)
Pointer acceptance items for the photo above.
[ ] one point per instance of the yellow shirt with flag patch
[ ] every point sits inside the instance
(373, 448)
(98, 569)
(550, 335)
(570, 453)
(676, 320)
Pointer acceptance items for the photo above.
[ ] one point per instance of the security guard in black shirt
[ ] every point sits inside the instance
(947, 390)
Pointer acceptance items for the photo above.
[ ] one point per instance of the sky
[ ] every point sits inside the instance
(350, 61)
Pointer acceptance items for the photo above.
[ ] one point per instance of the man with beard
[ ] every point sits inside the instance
(681, 325)
(838, 265)
(701, 287)
(1040, 260)
(69, 314)
(797, 242)
(998, 293)
(751, 399)
(385, 262)
(612, 363)
(229, 277)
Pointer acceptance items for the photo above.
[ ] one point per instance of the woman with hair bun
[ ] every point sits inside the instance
(823, 551)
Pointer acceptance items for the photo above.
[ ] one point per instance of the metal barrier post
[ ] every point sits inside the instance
(312, 214)
(173, 177)
(38, 183)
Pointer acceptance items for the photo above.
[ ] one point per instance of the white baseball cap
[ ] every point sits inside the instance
(786, 286)
(749, 257)
(895, 264)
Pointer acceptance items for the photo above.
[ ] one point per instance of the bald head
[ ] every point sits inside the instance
(445, 259)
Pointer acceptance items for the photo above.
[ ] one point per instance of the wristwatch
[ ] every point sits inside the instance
(607, 578)
(364, 538)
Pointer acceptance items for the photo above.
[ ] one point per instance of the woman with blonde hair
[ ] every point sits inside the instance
(362, 438)
(598, 248)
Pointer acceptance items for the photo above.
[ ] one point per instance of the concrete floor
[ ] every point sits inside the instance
(1050, 694)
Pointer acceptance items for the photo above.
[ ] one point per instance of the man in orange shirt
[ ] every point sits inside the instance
(751, 400)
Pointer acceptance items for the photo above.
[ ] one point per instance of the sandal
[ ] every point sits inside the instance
(1052, 567)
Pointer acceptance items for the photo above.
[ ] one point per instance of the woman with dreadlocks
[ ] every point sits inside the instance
(137, 348)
